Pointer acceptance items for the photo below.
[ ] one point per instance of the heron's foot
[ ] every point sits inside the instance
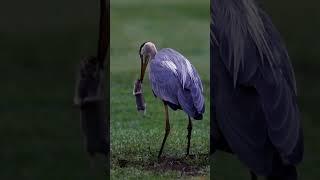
(159, 156)
(187, 153)
(190, 156)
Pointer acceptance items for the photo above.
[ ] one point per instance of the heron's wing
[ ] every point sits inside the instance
(255, 59)
(187, 75)
(164, 82)
(278, 96)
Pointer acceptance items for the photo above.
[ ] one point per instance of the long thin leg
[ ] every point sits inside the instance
(167, 128)
(253, 176)
(189, 134)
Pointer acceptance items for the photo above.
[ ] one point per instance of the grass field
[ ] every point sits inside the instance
(136, 140)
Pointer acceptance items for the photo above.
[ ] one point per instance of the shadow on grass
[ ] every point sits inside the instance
(192, 165)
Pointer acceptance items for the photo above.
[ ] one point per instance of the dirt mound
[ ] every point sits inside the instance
(189, 166)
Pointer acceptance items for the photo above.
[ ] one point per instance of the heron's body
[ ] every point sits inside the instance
(255, 113)
(175, 81)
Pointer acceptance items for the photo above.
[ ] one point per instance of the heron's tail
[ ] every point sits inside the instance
(192, 102)
(198, 102)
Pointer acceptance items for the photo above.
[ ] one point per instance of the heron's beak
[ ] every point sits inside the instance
(144, 64)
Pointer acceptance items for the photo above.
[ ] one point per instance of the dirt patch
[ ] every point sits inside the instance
(123, 163)
(176, 164)
(193, 165)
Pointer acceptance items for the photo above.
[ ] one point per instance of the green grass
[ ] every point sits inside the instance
(136, 140)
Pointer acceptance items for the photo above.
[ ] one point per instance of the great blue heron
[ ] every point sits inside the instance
(175, 81)
(255, 113)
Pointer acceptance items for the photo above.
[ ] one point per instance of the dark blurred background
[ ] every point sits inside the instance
(42, 41)
(299, 25)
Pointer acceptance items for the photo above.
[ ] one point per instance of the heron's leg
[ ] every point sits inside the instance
(253, 176)
(189, 134)
(167, 128)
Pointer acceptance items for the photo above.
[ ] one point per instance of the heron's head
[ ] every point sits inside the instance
(147, 52)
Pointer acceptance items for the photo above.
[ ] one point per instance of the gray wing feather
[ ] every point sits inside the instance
(175, 79)
(164, 83)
